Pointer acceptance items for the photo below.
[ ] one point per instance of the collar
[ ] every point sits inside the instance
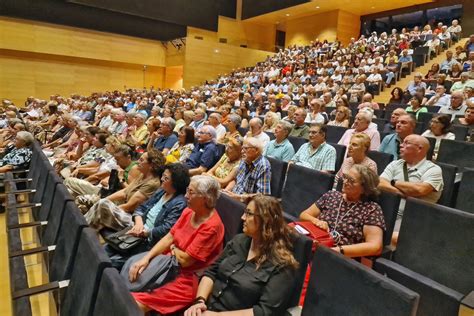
(417, 165)
(282, 143)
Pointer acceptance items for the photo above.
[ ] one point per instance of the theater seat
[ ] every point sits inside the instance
(381, 159)
(342, 286)
(278, 168)
(458, 153)
(334, 133)
(465, 198)
(297, 142)
(303, 186)
(448, 196)
(230, 212)
(433, 256)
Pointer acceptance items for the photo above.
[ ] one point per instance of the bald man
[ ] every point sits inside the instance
(422, 179)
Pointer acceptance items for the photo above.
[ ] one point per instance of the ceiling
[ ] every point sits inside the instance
(358, 7)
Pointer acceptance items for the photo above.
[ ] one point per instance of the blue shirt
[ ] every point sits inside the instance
(391, 145)
(165, 142)
(322, 159)
(205, 155)
(153, 213)
(254, 177)
(283, 151)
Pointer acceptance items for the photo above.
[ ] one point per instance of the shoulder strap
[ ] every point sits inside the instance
(405, 171)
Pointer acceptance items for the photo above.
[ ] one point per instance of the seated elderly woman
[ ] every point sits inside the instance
(153, 219)
(196, 241)
(440, 126)
(252, 274)
(343, 115)
(19, 156)
(280, 148)
(351, 217)
(359, 145)
(224, 171)
(232, 124)
(115, 211)
(183, 148)
(270, 122)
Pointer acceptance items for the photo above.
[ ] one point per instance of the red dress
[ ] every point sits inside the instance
(203, 244)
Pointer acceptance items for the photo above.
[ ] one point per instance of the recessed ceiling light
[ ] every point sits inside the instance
(372, 7)
(216, 51)
(317, 7)
(287, 14)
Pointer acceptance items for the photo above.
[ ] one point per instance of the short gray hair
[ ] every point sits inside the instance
(169, 121)
(211, 130)
(287, 127)
(208, 187)
(254, 142)
(256, 120)
(26, 137)
(235, 119)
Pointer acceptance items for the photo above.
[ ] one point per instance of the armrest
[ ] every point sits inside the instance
(19, 180)
(19, 171)
(24, 205)
(30, 224)
(40, 289)
(293, 311)
(467, 305)
(435, 298)
(289, 218)
(31, 251)
(18, 192)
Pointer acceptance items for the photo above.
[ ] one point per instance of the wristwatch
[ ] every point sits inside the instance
(393, 182)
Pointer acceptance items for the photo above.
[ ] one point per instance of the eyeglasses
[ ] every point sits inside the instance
(314, 132)
(248, 213)
(165, 178)
(347, 178)
(201, 132)
(190, 192)
(247, 147)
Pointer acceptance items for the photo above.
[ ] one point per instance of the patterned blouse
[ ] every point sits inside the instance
(349, 163)
(352, 216)
(17, 158)
(94, 154)
(225, 167)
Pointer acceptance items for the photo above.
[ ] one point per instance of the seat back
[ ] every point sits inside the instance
(340, 154)
(430, 153)
(448, 196)
(381, 159)
(271, 135)
(50, 190)
(437, 242)
(390, 204)
(230, 212)
(297, 142)
(55, 216)
(89, 264)
(465, 198)
(460, 132)
(380, 123)
(303, 186)
(279, 168)
(457, 153)
(342, 286)
(113, 297)
(71, 225)
(303, 254)
(334, 133)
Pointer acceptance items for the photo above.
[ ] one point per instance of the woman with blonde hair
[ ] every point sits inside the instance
(248, 277)
(359, 146)
(225, 170)
(342, 117)
(270, 122)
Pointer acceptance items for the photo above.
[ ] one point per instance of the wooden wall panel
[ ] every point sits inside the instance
(253, 35)
(174, 77)
(348, 25)
(204, 60)
(42, 76)
(301, 31)
(46, 38)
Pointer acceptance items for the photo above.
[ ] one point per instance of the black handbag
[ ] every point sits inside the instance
(122, 242)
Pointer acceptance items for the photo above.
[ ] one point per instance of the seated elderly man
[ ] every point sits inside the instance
(280, 148)
(316, 154)
(253, 174)
(390, 127)
(256, 131)
(198, 119)
(300, 129)
(415, 84)
(440, 98)
(391, 143)
(361, 125)
(205, 153)
(463, 83)
(20, 155)
(215, 120)
(138, 133)
(164, 138)
(413, 175)
(456, 105)
(119, 124)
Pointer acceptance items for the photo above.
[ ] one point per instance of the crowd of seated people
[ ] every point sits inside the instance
(152, 163)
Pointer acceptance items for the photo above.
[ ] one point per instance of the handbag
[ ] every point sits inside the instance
(161, 270)
(122, 242)
(313, 232)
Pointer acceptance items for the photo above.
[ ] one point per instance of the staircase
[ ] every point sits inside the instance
(385, 96)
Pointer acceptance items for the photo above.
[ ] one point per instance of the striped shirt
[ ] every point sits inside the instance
(253, 177)
(322, 159)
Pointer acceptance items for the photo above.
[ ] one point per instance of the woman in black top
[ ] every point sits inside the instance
(251, 276)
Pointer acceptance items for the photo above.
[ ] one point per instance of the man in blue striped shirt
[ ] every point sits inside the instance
(253, 174)
(316, 154)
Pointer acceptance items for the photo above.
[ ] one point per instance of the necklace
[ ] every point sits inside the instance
(334, 233)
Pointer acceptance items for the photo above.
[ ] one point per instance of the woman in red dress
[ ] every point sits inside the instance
(196, 240)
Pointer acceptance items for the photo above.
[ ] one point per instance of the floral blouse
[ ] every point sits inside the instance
(353, 216)
(225, 167)
(17, 158)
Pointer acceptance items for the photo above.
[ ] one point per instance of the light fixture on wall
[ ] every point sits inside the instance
(144, 75)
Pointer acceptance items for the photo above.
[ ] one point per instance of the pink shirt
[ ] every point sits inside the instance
(372, 133)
